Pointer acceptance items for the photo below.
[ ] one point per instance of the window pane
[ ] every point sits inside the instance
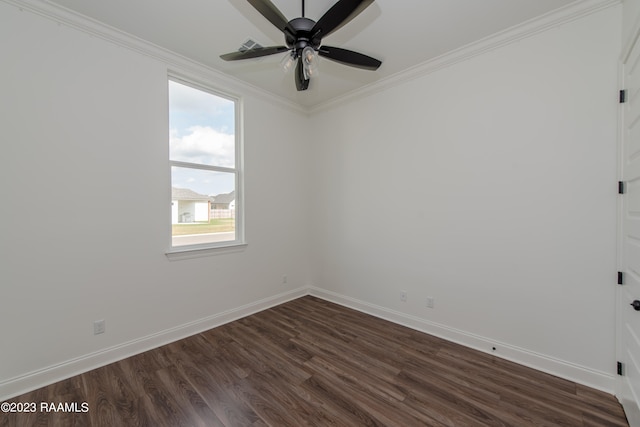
(203, 206)
(202, 127)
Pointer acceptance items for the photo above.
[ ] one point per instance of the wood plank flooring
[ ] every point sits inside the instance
(313, 363)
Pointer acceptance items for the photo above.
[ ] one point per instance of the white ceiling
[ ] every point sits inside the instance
(402, 34)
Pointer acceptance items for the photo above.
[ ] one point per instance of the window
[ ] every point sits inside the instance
(204, 154)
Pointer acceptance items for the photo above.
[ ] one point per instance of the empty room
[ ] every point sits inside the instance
(320, 212)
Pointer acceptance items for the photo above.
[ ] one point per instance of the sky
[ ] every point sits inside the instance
(202, 131)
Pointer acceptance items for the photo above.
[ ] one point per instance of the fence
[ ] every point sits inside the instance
(223, 213)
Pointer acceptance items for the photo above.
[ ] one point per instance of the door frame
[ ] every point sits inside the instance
(624, 393)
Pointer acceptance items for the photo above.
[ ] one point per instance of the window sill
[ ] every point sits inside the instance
(188, 252)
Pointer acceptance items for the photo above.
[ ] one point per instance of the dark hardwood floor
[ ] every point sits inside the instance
(311, 362)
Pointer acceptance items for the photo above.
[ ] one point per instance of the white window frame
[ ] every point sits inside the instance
(206, 249)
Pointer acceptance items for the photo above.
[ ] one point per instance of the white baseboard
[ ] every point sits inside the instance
(51, 374)
(628, 401)
(570, 371)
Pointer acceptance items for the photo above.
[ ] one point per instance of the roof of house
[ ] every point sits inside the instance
(224, 198)
(186, 194)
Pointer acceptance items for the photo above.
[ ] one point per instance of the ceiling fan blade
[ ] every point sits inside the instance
(339, 14)
(273, 15)
(301, 82)
(349, 57)
(254, 53)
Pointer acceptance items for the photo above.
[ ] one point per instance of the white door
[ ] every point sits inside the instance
(628, 334)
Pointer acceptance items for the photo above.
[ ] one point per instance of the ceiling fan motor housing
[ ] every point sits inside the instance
(302, 37)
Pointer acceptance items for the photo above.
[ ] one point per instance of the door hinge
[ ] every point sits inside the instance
(621, 187)
(620, 278)
(620, 368)
(623, 96)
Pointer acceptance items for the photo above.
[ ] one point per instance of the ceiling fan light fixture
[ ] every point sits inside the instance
(288, 61)
(310, 62)
(303, 39)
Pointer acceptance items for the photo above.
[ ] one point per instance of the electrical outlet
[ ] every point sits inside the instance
(430, 302)
(403, 296)
(99, 326)
(284, 279)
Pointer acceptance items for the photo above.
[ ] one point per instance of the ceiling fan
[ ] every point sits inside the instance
(303, 38)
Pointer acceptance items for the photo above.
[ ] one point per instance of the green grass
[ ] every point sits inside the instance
(213, 226)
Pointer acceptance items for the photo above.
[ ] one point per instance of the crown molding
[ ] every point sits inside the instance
(184, 65)
(174, 61)
(564, 15)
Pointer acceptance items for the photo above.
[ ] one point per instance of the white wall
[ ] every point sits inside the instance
(175, 216)
(490, 186)
(84, 123)
(202, 211)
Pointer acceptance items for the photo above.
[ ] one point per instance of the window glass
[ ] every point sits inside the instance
(204, 167)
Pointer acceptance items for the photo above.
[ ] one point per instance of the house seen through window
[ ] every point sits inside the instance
(203, 154)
